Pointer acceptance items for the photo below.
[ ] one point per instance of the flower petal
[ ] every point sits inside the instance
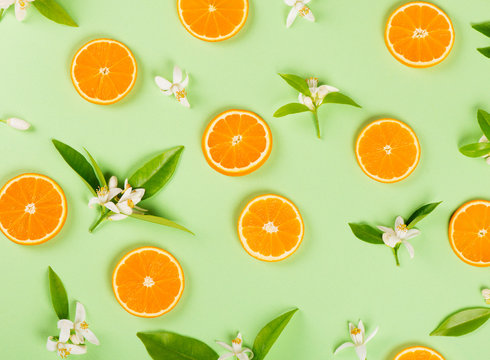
(183, 101)
(308, 14)
(409, 247)
(90, 336)
(112, 182)
(76, 349)
(93, 201)
(290, 2)
(162, 83)
(361, 352)
(65, 326)
(291, 17)
(390, 240)
(80, 313)
(361, 327)
(343, 346)
(20, 10)
(370, 336)
(225, 345)
(177, 75)
(112, 207)
(399, 221)
(412, 233)
(386, 230)
(117, 217)
(51, 345)
(185, 82)
(18, 124)
(309, 103)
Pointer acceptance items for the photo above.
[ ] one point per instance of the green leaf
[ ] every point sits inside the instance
(165, 345)
(484, 51)
(98, 171)
(367, 233)
(484, 122)
(153, 175)
(292, 108)
(483, 27)
(59, 299)
(78, 163)
(53, 11)
(297, 82)
(339, 98)
(269, 334)
(462, 322)
(161, 221)
(421, 213)
(475, 150)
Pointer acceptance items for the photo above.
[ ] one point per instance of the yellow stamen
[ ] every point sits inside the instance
(237, 341)
(83, 325)
(130, 203)
(356, 331)
(402, 227)
(304, 11)
(63, 353)
(179, 95)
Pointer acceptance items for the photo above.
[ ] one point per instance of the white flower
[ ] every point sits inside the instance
(16, 123)
(177, 87)
(236, 349)
(64, 349)
(298, 8)
(486, 295)
(400, 234)
(106, 193)
(484, 139)
(20, 7)
(318, 93)
(359, 340)
(127, 203)
(80, 326)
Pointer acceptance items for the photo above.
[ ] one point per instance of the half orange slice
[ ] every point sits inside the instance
(418, 353)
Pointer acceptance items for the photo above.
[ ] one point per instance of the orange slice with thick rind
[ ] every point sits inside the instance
(418, 353)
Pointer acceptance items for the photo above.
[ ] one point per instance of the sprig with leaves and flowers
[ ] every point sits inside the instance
(483, 28)
(359, 340)
(119, 203)
(73, 335)
(311, 98)
(481, 149)
(48, 8)
(163, 345)
(465, 321)
(397, 236)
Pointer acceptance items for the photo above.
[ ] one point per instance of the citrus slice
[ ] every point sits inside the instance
(213, 20)
(237, 142)
(270, 228)
(387, 150)
(32, 209)
(469, 233)
(103, 71)
(419, 34)
(418, 353)
(148, 282)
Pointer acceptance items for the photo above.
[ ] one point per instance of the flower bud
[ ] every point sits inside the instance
(18, 124)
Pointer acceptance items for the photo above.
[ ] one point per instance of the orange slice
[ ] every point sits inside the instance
(469, 233)
(419, 34)
(148, 282)
(103, 71)
(387, 150)
(237, 142)
(32, 209)
(418, 353)
(270, 228)
(213, 20)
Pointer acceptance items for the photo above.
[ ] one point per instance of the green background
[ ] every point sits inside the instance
(333, 278)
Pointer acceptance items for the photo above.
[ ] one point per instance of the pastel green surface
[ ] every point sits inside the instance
(333, 278)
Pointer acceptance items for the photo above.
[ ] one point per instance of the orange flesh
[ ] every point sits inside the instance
(39, 195)
(103, 71)
(166, 282)
(387, 150)
(469, 233)
(213, 20)
(419, 34)
(419, 353)
(270, 228)
(238, 143)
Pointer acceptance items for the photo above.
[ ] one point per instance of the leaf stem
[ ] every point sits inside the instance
(102, 217)
(395, 253)
(1, 13)
(317, 124)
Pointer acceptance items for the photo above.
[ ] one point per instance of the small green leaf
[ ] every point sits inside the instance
(53, 11)
(78, 163)
(153, 175)
(292, 108)
(484, 122)
(485, 51)
(59, 299)
(98, 171)
(367, 233)
(462, 322)
(475, 150)
(297, 82)
(483, 27)
(165, 345)
(269, 334)
(161, 221)
(339, 98)
(421, 213)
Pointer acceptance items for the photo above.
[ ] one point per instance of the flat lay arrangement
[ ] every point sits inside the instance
(260, 214)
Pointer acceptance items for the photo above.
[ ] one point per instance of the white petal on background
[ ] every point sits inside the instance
(80, 313)
(390, 240)
(410, 249)
(242, 356)
(65, 326)
(412, 233)
(225, 345)
(486, 295)
(112, 207)
(20, 11)
(177, 75)
(373, 334)
(76, 349)
(291, 17)
(290, 2)
(386, 230)
(4, 4)
(306, 1)
(309, 15)
(117, 217)
(185, 82)
(112, 182)
(51, 345)
(162, 83)
(361, 352)
(18, 124)
(90, 336)
(343, 346)
(185, 102)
